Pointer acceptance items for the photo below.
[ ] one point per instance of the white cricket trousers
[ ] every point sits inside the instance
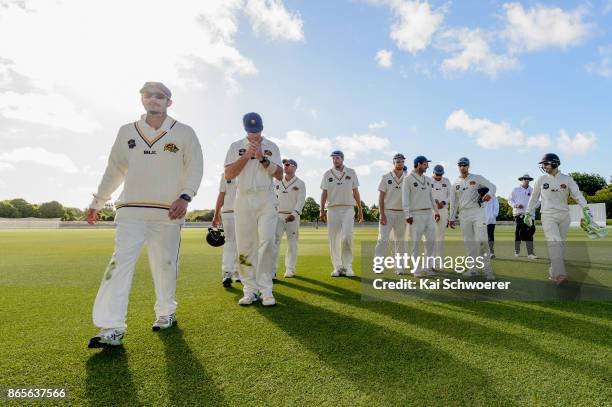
(423, 224)
(441, 233)
(474, 230)
(255, 215)
(293, 233)
(396, 223)
(555, 226)
(340, 220)
(230, 256)
(163, 243)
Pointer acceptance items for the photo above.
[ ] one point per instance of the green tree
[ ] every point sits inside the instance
(49, 210)
(7, 210)
(588, 183)
(200, 215)
(604, 195)
(72, 214)
(26, 210)
(505, 210)
(311, 210)
(375, 212)
(107, 214)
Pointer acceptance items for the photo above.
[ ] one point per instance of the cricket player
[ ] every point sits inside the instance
(492, 211)
(554, 188)
(291, 194)
(391, 212)
(340, 193)
(254, 161)
(224, 215)
(466, 201)
(159, 161)
(421, 213)
(441, 194)
(518, 200)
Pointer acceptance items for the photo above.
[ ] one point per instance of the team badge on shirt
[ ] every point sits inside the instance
(348, 177)
(563, 186)
(415, 184)
(389, 182)
(268, 153)
(242, 151)
(277, 187)
(330, 179)
(457, 187)
(131, 143)
(545, 186)
(295, 188)
(472, 182)
(171, 147)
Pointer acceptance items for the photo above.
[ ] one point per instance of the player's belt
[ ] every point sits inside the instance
(230, 211)
(285, 212)
(396, 210)
(420, 210)
(150, 205)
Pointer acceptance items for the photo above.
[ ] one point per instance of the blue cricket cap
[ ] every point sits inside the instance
(253, 123)
(421, 159)
(337, 153)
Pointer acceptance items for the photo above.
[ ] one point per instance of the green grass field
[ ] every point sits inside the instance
(321, 345)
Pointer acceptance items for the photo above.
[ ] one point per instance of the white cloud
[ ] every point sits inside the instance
(540, 27)
(491, 135)
(366, 169)
(580, 144)
(377, 125)
(604, 66)
(416, 23)
(49, 109)
(361, 143)
(6, 166)
(39, 156)
(271, 17)
(384, 58)
(75, 57)
(298, 142)
(607, 7)
(301, 143)
(470, 50)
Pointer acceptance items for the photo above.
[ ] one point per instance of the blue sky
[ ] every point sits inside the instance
(499, 82)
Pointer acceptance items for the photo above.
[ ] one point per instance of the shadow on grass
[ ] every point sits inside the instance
(389, 367)
(188, 382)
(109, 381)
(512, 312)
(479, 334)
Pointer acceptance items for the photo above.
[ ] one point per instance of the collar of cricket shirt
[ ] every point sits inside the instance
(398, 181)
(293, 181)
(416, 177)
(148, 134)
(333, 171)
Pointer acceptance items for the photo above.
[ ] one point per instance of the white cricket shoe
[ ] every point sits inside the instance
(532, 257)
(492, 255)
(335, 273)
(164, 322)
(248, 299)
(516, 254)
(289, 274)
(268, 301)
(349, 273)
(490, 276)
(400, 272)
(107, 338)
